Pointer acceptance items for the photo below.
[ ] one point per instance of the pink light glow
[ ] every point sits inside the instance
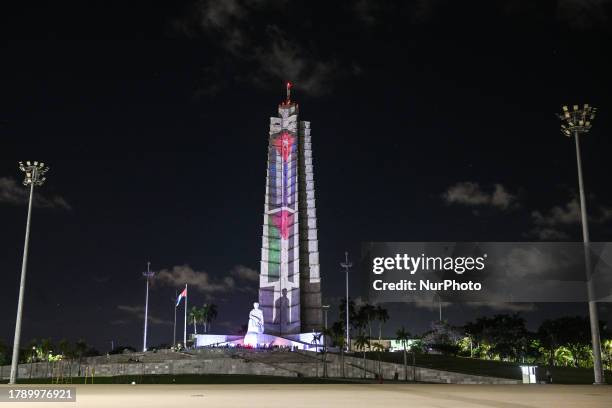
(283, 145)
(283, 220)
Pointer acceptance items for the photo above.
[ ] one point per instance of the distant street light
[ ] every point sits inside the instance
(574, 123)
(325, 310)
(34, 176)
(347, 265)
(148, 274)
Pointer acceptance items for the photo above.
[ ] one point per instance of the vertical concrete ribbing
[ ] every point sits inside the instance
(310, 279)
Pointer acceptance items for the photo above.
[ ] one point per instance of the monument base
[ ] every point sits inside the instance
(301, 341)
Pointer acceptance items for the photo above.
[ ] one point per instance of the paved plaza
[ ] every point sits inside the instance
(346, 395)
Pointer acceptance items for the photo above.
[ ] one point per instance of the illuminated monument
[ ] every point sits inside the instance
(289, 280)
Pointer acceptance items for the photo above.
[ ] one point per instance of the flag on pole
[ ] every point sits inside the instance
(181, 296)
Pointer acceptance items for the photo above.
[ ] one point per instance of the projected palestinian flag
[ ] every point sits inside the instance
(289, 255)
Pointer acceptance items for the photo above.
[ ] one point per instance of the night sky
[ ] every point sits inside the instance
(431, 121)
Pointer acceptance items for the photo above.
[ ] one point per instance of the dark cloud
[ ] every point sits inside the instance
(472, 194)
(551, 225)
(583, 14)
(138, 312)
(245, 273)
(260, 54)
(13, 193)
(203, 282)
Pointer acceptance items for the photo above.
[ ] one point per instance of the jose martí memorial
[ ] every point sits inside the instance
(289, 309)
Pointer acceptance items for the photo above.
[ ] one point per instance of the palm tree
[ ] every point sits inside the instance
(80, 347)
(382, 315)
(351, 311)
(369, 312)
(46, 349)
(327, 334)
(403, 336)
(210, 314)
(65, 349)
(35, 347)
(340, 341)
(379, 349)
(361, 342)
(196, 315)
(316, 337)
(360, 320)
(205, 312)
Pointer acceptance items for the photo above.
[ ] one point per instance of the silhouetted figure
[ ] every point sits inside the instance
(281, 308)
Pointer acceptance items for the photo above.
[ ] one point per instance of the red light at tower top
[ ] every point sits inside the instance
(289, 85)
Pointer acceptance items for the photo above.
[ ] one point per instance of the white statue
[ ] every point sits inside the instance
(256, 320)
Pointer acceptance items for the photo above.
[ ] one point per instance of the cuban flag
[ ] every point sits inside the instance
(181, 296)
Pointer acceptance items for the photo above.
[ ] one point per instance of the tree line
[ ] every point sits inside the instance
(204, 315)
(564, 341)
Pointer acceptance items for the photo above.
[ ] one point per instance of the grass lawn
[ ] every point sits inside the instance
(560, 375)
(192, 379)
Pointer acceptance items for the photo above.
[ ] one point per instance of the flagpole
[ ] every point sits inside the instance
(185, 325)
(175, 306)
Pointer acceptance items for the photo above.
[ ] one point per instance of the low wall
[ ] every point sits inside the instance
(420, 374)
(225, 362)
(195, 366)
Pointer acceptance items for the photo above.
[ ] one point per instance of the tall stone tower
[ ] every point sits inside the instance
(289, 280)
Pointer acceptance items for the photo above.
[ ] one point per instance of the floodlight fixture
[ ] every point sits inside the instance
(34, 173)
(34, 177)
(576, 123)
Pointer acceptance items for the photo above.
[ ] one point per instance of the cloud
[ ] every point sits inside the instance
(549, 225)
(471, 194)
(138, 312)
(583, 14)
(245, 273)
(285, 59)
(13, 193)
(258, 54)
(365, 11)
(204, 283)
(558, 215)
(548, 234)
(527, 262)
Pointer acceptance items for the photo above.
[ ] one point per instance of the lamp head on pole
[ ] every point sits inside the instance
(148, 273)
(346, 264)
(578, 120)
(34, 172)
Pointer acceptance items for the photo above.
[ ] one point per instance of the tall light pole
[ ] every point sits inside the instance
(34, 176)
(148, 274)
(325, 310)
(576, 122)
(347, 265)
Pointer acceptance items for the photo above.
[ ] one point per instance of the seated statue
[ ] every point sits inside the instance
(256, 320)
